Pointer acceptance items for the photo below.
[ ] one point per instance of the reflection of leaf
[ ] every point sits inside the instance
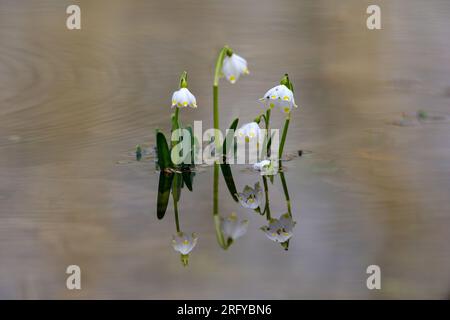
(233, 127)
(228, 176)
(164, 160)
(188, 177)
(165, 182)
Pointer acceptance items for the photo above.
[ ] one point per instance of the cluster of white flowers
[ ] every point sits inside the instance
(281, 97)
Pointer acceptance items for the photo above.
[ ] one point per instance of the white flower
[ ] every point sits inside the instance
(233, 228)
(249, 131)
(184, 243)
(183, 98)
(281, 97)
(250, 197)
(233, 66)
(267, 167)
(280, 230)
(261, 165)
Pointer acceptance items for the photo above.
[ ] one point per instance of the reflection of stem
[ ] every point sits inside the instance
(283, 137)
(286, 193)
(217, 221)
(175, 208)
(266, 193)
(175, 200)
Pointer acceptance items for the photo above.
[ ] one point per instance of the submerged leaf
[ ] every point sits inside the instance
(228, 176)
(164, 186)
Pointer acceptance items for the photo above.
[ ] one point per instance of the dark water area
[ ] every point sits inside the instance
(372, 186)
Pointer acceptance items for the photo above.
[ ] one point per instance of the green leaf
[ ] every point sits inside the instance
(164, 160)
(191, 132)
(233, 127)
(164, 186)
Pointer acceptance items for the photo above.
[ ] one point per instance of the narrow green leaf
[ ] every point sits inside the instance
(164, 160)
(228, 176)
(228, 137)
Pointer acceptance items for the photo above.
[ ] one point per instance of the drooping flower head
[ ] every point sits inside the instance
(233, 228)
(250, 197)
(280, 230)
(280, 97)
(183, 97)
(234, 66)
(184, 243)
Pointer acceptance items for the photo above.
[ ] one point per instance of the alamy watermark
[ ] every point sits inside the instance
(247, 145)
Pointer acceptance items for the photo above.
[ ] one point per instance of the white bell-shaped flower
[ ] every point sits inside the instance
(281, 97)
(280, 230)
(250, 197)
(233, 67)
(233, 228)
(267, 167)
(249, 131)
(183, 98)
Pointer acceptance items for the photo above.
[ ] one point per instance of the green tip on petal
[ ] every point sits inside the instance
(185, 259)
(285, 245)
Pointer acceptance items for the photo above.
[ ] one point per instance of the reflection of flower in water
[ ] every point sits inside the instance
(250, 197)
(267, 167)
(280, 230)
(184, 243)
(233, 228)
(280, 97)
(233, 66)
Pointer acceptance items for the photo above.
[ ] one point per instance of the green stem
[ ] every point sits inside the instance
(217, 74)
(283, 137)
(267, 120)
(266, 193)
